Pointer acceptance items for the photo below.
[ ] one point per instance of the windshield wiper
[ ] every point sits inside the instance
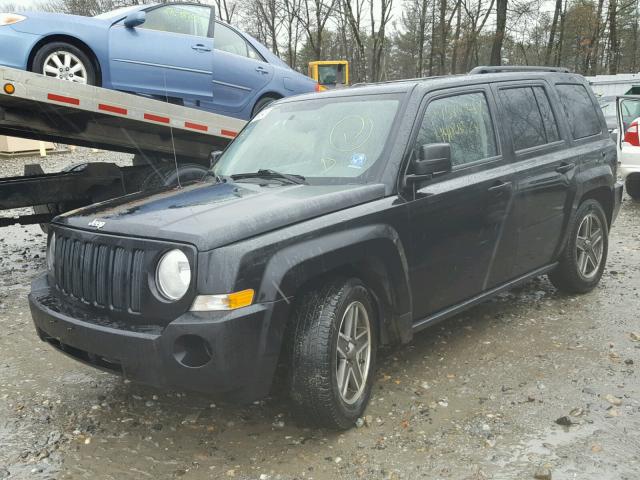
(268, 173)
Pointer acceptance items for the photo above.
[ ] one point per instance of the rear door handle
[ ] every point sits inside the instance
(565, 167)
(201, 48)
(500, 187)
(262, 70)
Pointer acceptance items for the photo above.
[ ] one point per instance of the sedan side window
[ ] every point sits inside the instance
(464, 122)
(229, 41)
(184, 19)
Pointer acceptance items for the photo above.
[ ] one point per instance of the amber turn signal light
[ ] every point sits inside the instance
(9, 89)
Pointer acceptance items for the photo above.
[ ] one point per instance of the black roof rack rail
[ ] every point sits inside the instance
(516, 68)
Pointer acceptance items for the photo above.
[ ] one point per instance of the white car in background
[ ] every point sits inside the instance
(628, 143)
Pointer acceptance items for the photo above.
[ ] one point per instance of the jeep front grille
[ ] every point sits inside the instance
(101, 275)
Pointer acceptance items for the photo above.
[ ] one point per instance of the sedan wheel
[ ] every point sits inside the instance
(65, 66)
(64, 61)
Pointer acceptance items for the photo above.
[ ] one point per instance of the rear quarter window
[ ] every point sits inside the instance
(580, 111)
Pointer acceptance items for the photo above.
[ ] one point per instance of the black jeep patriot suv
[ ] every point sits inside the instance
(333, 224)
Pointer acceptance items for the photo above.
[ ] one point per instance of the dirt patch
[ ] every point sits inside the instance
(482, 396)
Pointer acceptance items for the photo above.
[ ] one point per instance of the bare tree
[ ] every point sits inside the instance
(352, 10)
(313, 17)
(225, 9)
(498, 39)
(378, 36)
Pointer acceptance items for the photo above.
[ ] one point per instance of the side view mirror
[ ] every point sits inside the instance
(214, 157)
(135, 19)
(433, 158)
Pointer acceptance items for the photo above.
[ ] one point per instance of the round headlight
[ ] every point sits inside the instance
(173, 275)
(51, 252)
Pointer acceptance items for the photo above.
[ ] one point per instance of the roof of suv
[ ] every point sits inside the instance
(476, 76)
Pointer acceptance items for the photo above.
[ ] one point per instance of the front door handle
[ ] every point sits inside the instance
(262, 70)
(565, 167)
(201, 48)
(500, 187)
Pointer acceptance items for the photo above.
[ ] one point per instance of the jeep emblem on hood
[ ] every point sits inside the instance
(97, 224)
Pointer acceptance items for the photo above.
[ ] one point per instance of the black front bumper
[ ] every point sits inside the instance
(232, 353)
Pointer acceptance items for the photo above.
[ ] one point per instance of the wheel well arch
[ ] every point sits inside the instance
(270, 94)
(374, 273)
(73, 41)
(604, 196)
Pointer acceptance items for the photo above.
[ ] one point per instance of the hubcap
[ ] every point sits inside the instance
(589, 245)
(353, 352)
(65, 66)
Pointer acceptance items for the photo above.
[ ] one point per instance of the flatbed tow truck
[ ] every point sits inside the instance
(161, 135)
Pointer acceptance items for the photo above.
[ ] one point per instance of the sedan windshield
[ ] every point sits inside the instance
(323, 140)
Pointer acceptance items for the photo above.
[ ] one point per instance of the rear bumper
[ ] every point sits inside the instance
(231, 353)
(16, 47)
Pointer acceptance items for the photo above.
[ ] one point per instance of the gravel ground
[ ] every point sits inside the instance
(532, 384)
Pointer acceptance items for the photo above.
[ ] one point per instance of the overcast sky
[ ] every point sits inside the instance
(24, 4)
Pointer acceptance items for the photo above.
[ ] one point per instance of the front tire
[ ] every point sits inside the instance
(333, 354)
(585, 255)
(66, 62)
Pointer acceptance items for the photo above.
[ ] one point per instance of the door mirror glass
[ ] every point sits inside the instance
(432, 159)
(135, 19)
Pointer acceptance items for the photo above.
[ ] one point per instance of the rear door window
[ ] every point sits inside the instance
(529, 115)
(581, 113)
(549, 120)
(464, 122)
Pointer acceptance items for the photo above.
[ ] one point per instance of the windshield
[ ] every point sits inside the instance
(117, 12)
(330, 74)
(329, 138)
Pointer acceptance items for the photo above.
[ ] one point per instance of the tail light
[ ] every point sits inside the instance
(320, 88)
(631, 135)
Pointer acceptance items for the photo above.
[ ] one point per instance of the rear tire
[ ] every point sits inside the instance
(585, 255)
(632, 185)
(261, 105)
(333, 354)
(49, 60)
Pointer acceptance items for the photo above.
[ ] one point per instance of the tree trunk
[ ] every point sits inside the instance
(552, 33)
(501, 22)
(563, 16)
(443, 36)
(613, 38)
(456, 41)
(433, 39)
(592, 67)
(422, 25)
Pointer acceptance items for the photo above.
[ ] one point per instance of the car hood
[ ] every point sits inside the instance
(210, 215)
(46, 22)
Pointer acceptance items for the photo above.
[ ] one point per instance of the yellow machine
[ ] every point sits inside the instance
(330, 73)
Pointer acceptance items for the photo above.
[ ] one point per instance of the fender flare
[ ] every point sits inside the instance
(374, 252)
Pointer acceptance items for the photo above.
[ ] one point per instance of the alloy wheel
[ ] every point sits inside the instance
(65, 66)
(353, 352)
(589, 245)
